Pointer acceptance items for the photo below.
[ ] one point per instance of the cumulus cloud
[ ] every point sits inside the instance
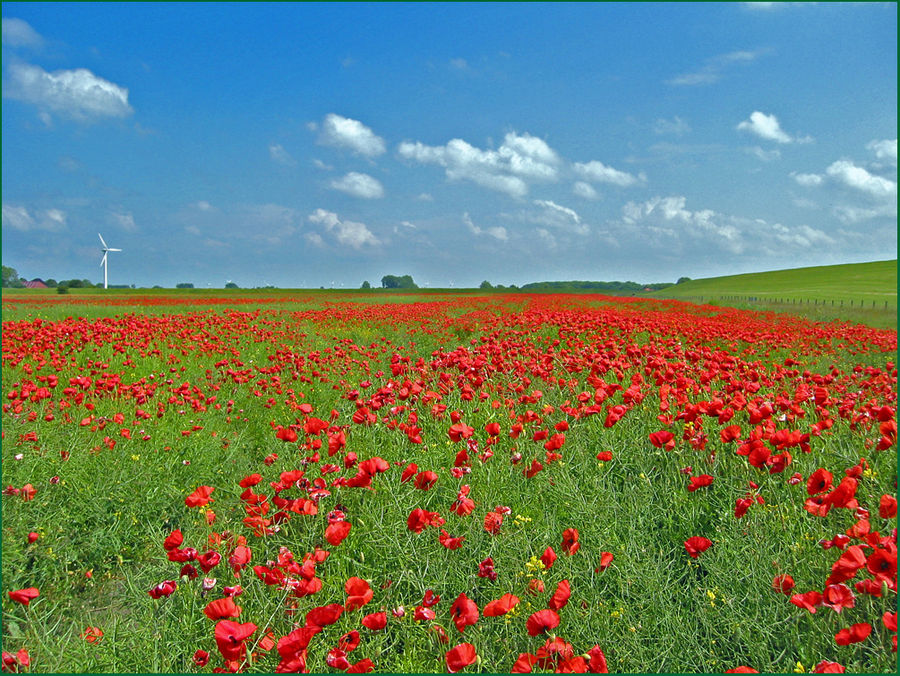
(673, 225)
(78, 94)
(600, 173)
(860, 179)
(280, 155)
(344, 132)
(585, 190)
(20, 218)
(712, 71)
(359, 185)
(768, 127)
(349, 233)
(557, 216)
(884, 150)
(808, 180)
(497, 232)
(519, 159)
(18, 33)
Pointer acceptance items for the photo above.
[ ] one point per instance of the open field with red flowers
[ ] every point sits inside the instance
(431, 483)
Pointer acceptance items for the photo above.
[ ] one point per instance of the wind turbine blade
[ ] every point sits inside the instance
(101, 240)
(113, 249)
(103, 262)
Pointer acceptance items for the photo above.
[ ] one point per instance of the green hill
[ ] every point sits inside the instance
(857, 282)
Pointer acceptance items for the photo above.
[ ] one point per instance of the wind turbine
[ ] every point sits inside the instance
(104, 264)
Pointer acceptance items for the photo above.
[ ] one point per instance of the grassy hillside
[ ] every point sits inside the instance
(859, 292)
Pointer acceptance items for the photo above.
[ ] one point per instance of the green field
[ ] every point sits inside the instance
(857, 292)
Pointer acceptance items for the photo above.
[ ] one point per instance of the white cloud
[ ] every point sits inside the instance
(407, 224)
(676, 228)
(18, 33)
(315, 239)
(319, 164)
(860, 179)
(203, 205)
(18, 217)
(557, 216)
(78, 94)
(764, 155)
(854, 214)
(884, 150)
(712, 71)
(520, 158)
(808, 180)
(765, 126)
(344, 132)
(349, 233)
(425, 197)
(497, 232)
(585, 190)
(359, 185)
(459, 64)
(600, 173)
(676, 126)
(124, 220)
(280, 155)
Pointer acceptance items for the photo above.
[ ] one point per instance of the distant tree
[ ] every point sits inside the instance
(485, 285)
(74, 283)
(62, 289)
(184, 285)
(232, 285)
(51, 283)
(157, 286)
(11, 278)
(87, 284)
(682, 280)
(394, 282)
(366, 285)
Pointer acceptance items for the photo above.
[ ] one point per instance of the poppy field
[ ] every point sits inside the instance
(503, 483)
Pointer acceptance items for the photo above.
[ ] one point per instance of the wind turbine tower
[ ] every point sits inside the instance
(104, 263)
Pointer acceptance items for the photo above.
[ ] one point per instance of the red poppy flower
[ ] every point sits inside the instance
(24, 596)
(336, 532)
(250, 480)
(890, 621)
(230, 637)
(492, 522)
(826, 667)
(604, 456)
(856, 633)
(425, 480)
(408, 473)
(199, 497)
(663, 439)
(286, 434)
(847, 565)
(606, 559)
(541, 621)
(783, 584)
(419, 519)
(358, 593)
(810, 601)
(501, 606)
(209, 560)
(524, 663)
(741, 506)
(699, 482)
(460, 656)
(449, 542)
(364, 666)
(561, 596)
(165, 588)
(322, 616)
(536, 467)
(173, 540)
(422, 613)
(887, 507)
(837, 597)
(697, 545)
(375, 621)
(548, 558)
(597, 663)
(486, 569)
(222, 609)
(201, 658)
(92, 634)
(464, 612)
(535, 586)
(570, 543)
(741, 670)
(430, 598)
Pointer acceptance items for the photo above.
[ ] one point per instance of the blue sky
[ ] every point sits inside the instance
(305, 145)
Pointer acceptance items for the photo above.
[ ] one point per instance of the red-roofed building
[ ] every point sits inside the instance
(36, 284)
